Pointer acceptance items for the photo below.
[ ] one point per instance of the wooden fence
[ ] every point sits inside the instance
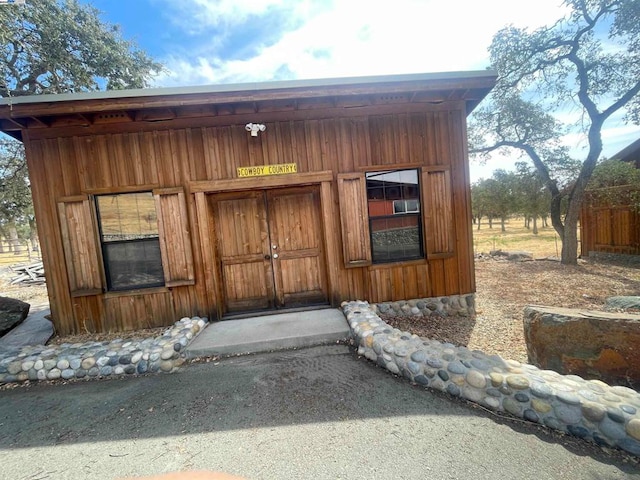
(610, 223)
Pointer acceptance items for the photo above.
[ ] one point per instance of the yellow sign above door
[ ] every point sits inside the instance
(264, 170)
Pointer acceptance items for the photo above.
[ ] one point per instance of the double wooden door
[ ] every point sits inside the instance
(270, 249)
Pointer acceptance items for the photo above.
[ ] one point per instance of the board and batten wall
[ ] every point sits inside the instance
(68, 166)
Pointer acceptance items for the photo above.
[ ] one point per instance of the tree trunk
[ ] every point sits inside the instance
(490, 222)
(33, 235)
(479, 221)
(14, 241)
(502, 227)
(535, 225)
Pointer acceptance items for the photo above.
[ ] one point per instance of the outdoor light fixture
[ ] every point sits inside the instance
(254, 128)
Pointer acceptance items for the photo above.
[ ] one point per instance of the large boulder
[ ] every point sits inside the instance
(12, 313)
(593, 345)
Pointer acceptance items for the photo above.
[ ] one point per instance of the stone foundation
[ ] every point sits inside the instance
(592, 410)
(460, 305)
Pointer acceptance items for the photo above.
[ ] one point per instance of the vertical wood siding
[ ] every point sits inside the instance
(164, 158)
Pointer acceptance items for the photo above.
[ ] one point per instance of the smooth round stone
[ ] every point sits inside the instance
(633, 428)
(118, 370)
(480, 364)
(512, 406)
(517, 382)
(531, 415)
(129, 369)
(521, 397)
(609, 397)
(613, 430)
(14, 367)
(63, 364)
(54, 374)
(136, 356)
(393, 368)
(22, 377)
(615, 414)
(81, 373)
(456, 368)
(541, 390)
(388, 348)
(476, 379)
(628, 409)
(67, 374)
(103, 361)
(448, 357)
(87, 363)
(594, 412)
(414, 368)
(631, 446)
(41, 374)
(113, 361)
(125, 360)
(624, 391)
(496, 379)
(93, 371)
(596, 386)
(142, 366)
(430, 372)
(106, 370)
(540, 406)
(434, 362)
(578, 431)
(169, 353)
(166, 366)
(494, 392)
(569, 398)
(28, 365)
(419, 356)
(554, 423)
(472, 394)
(400, 351)
(569, 414)
(453, 389)
(154, 356)
(32, 374)
(49, 363)
(492, 402)
(438, 384)
(75, 363)
(588, 395)
(443, 375)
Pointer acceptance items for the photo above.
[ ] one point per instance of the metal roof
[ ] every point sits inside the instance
(272, 86)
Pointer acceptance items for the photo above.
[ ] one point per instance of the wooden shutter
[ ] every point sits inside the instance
(438, 212)
(175, 241)
(354, 218)
(80, 243)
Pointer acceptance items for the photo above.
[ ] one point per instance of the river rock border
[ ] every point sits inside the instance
(588, 409)
(101, 359)
(452, 305)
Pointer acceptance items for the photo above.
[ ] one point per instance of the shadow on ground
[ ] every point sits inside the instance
(323, 385)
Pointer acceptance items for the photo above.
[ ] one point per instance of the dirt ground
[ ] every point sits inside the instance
(503, 289)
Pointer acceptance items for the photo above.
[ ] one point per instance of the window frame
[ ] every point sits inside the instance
(104, 247)
(396, 215)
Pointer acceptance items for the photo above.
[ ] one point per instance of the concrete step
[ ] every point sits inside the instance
(271, 332)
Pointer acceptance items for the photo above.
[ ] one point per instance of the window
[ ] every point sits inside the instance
(130, 241)
(393, 201)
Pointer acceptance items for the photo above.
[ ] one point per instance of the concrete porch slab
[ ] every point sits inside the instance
(271, 332)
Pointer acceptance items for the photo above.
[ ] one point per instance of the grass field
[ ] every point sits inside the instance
(516, 238)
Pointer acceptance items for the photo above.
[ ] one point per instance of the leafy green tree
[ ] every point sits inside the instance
(588, 62)
(532, 198)
(56, 46)
(59, 46)
(616, 183)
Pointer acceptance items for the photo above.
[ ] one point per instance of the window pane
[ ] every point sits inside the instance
(136, 264)
(396, 238)
(130, 216)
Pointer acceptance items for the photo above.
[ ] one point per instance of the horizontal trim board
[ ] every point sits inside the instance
(237, 184)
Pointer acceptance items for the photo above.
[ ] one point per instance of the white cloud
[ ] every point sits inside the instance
(356, 37)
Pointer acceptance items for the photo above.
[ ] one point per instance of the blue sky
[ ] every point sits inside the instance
(234, 41)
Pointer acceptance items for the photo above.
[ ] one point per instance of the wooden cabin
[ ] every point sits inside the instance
(161, 203)
(612, 228)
